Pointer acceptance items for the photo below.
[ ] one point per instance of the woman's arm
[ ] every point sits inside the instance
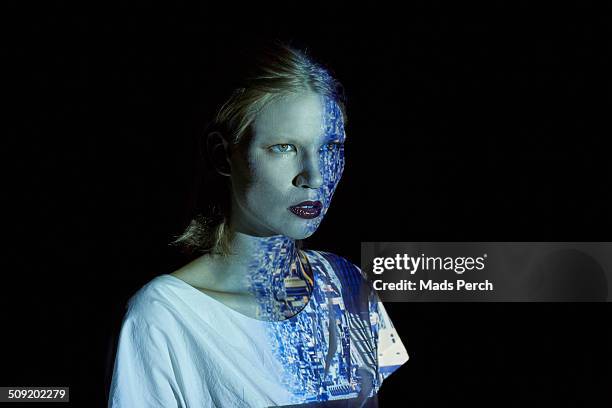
(143, 374)
(391, 353)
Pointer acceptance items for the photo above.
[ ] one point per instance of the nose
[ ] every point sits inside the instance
(310, 175)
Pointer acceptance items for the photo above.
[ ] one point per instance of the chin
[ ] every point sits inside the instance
(300, 232)
(298, 236)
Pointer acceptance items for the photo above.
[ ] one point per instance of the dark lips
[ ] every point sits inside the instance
(307, 209)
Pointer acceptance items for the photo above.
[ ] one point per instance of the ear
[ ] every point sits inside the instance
(217, 148)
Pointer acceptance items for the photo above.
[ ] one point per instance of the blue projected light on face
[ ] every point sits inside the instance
(331, 159)
(284, 178)
(283, 181)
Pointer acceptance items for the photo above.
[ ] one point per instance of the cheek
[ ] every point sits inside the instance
(267, 181)
(332, 165)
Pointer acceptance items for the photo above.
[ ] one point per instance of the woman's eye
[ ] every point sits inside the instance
(282, 148)
(333, 146)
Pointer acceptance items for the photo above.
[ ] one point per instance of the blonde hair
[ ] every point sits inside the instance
(272, 71)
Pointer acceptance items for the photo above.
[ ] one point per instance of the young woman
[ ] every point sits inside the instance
(257, 321)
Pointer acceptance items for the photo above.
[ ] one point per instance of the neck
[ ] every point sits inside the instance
(262, 267)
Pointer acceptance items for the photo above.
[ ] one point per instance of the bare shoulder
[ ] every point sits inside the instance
(196, 273)
(184, 275)
(203, 280)
(181, 274)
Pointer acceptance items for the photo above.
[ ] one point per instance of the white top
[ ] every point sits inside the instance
(179, 347)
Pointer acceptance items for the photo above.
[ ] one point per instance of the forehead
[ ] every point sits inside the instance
(299, 116)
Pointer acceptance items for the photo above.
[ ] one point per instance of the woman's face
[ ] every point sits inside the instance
(296, 154)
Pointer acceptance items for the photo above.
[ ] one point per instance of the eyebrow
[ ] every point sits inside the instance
(293, 140)
(335, 136)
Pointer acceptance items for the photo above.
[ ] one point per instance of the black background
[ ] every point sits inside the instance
(464, 125)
